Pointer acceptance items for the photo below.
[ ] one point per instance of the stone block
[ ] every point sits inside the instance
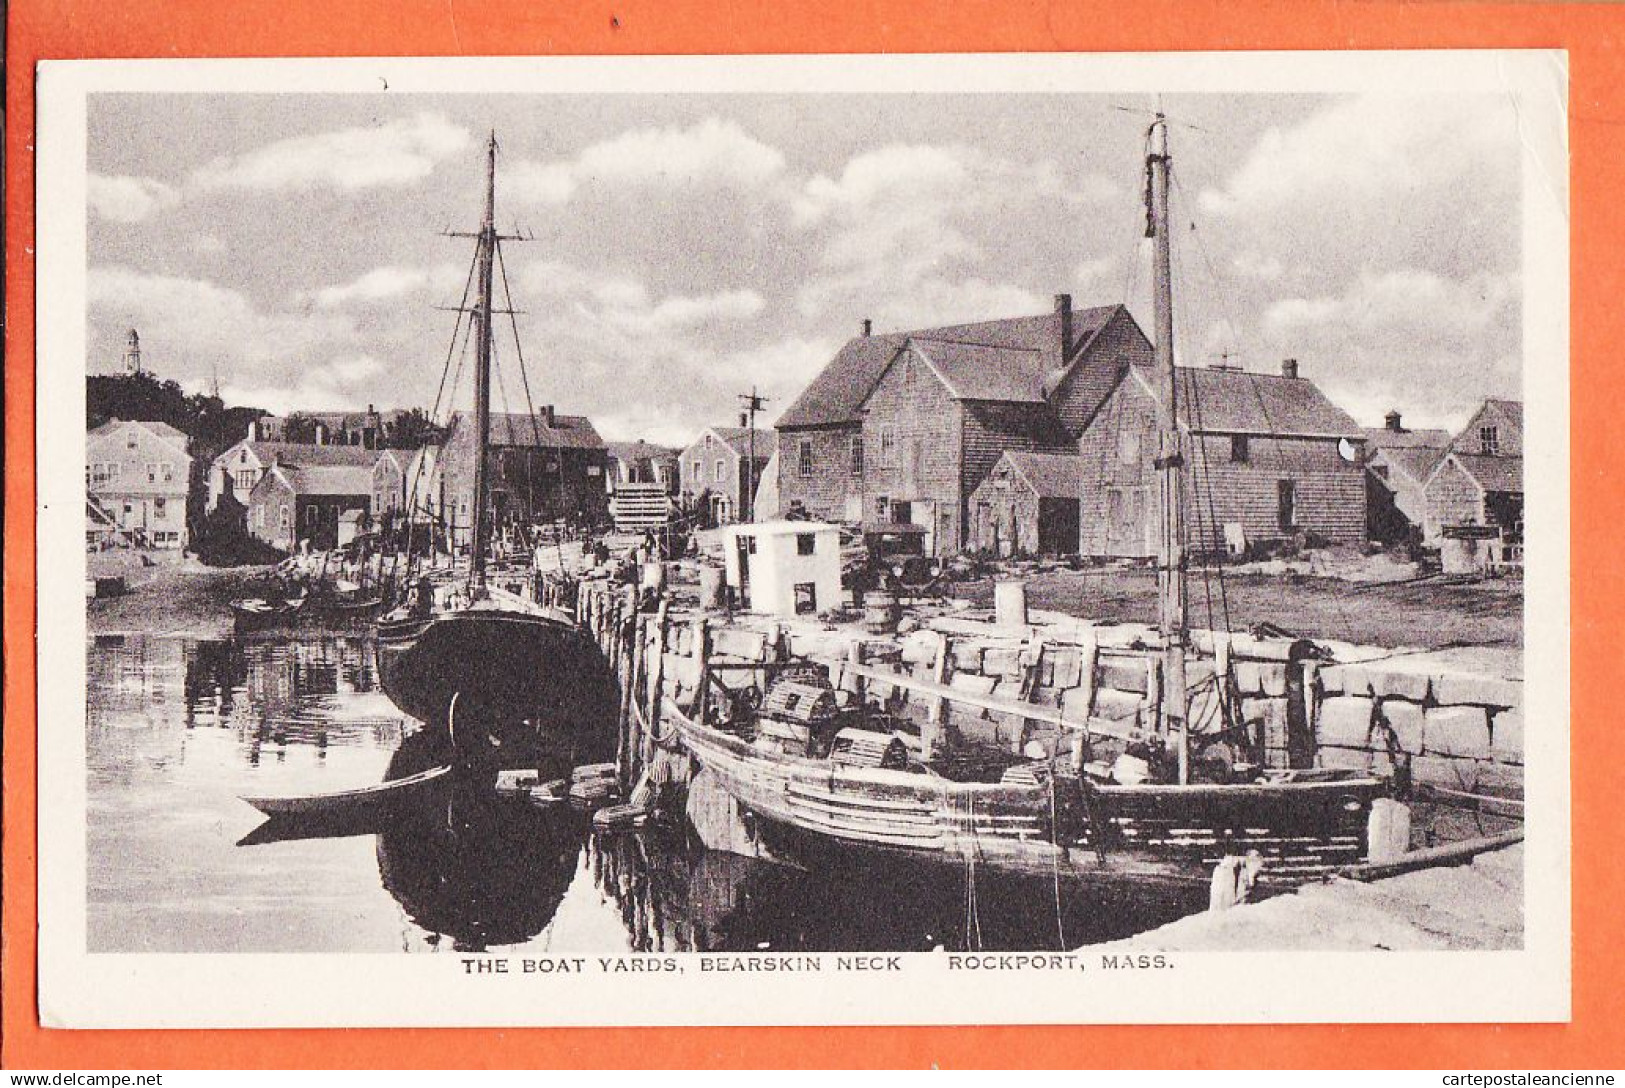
(1450, 772)
(1348, 679)
(1401, 685)
(1075, 704)
(973, 683)
(1124, 674)
(1500, 780)
(1260, 677)
(1002, 661)
(1068, 667)
(1407, 720)
(733, 642)
(1345, 721)
(1342, 759)
(966, 657)
(1458, 731)
(1457, 689)
(1331, 679)
(1506, 736)
(920, 648)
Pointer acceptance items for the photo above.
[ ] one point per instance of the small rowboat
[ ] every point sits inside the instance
(257, 613)
(349, 804)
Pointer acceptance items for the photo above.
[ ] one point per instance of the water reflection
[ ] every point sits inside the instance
(179, 730)
(477, 870)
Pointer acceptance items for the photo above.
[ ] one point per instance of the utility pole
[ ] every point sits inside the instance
(752, 403)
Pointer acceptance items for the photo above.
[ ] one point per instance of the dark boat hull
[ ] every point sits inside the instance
(505, 673)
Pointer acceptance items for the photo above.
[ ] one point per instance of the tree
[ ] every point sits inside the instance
(412, 430)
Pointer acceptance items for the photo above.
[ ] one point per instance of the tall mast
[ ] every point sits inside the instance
(1170, 461)
(485, 259)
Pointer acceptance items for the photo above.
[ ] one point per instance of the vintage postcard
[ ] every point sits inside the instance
(804, 540)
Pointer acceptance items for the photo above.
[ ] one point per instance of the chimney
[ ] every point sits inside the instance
(1391, 421)
(866, 327)
(1289, 368)
(744, 420)
(546, 412)
(1063, 306)
(253, 430)
(321, 433)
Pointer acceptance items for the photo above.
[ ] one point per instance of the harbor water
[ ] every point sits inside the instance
(181, 728)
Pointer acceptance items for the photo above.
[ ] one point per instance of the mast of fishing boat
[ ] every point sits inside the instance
(485, 259)
(1170, 461)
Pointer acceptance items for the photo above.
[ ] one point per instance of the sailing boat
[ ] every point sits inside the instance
(1146, 818)
(481, 661)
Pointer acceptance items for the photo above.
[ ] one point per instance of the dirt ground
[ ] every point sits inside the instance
(1428, 615)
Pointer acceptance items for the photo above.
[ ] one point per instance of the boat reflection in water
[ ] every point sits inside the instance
(470, 867)
(681, 898)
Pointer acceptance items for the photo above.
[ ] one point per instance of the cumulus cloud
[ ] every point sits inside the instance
(1364, 146)
(608, 301)
(385, 283)
(197, 324)
(388, 155)
(712, 152)
(1407, 338)
(124, 199)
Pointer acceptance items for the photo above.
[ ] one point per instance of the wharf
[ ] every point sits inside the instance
(1477, 906)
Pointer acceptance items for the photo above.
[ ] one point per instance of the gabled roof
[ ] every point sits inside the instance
(1386, 438)
(523, 430)
(836, 396)
(976, 371)
(738, 439)
(1050, 475)
(301, 453)
(326, 479)
(1214, 401)
(632, 452)
(1417, 462)
(1492, 473)
(162, 430)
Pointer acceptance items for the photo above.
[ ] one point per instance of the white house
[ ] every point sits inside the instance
(785, 568)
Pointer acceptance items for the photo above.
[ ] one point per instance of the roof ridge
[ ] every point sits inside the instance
(972, 343)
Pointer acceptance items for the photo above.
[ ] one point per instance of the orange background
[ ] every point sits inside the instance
(43, 29)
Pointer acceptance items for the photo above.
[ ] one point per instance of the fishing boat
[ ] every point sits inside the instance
(473, 659)
(1112, 802)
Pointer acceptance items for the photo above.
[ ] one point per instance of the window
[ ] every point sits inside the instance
(718, 470)
(1286, 514)
(857, 455)
(806, 598)
(158, 507)
(1240, 449)
(882, 505)
(1489, 440)
(284, 517)
(888, 447)
(152, 472)
(804, 457)
(805, 543)
(245, 479)
(113, 470)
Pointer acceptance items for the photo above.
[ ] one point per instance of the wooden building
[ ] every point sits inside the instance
(294, 503)
(391, 476)
(239, 468)
(851, 450)
(1478, 483)
(1269, 458)
(1399, 461)
(137, 479)
(1028, 504)
(545, 468)
(717, 471)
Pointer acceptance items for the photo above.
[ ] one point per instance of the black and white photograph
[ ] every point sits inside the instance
(958, 540)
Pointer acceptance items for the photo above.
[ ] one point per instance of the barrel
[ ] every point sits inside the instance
(1010, 603)
(880, 611)
(711, 587)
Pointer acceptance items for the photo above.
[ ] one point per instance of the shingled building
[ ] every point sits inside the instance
(902, 427)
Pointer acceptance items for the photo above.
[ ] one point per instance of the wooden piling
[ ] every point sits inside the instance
(933, 732)
(654, 679)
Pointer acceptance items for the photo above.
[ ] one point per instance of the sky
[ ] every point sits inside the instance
(684, 248)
